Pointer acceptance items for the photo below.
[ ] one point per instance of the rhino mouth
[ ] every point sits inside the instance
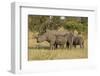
(38, 41)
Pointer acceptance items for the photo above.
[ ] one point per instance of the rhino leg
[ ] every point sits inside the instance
(74, 46)
(52, 45)
(82, 45)
(71, 45)
(70, 42)
(67, 44)
(62, 46)
(56, 46)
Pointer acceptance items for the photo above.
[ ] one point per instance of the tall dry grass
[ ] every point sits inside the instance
(44, 54)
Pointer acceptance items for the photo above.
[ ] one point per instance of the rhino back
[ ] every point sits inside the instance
(50, 37)
(56, 32)
(60, 40)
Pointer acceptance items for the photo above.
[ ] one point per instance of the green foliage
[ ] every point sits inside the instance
(40, 24)
(72, 25)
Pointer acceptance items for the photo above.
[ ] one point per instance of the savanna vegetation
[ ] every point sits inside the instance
(40, 24)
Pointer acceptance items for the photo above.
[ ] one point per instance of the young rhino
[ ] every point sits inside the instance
(78, 40)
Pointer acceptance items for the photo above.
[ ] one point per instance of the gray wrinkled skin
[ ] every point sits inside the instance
(60, 41)
(74, 41)
(78, 40)
(60, 38)
(54, 37)
(49, 38)
(69, 42)
(58, 33)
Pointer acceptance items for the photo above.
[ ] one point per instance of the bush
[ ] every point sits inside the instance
(72, 25)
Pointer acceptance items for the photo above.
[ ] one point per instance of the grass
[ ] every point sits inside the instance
(41, 51)
(46, 54)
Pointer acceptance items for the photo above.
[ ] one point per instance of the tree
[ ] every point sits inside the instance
(37, 23)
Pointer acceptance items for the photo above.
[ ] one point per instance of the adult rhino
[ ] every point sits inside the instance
(60, 37)
(47, 37)
(54, 37)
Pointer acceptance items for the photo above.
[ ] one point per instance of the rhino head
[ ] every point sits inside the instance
(41, 37)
